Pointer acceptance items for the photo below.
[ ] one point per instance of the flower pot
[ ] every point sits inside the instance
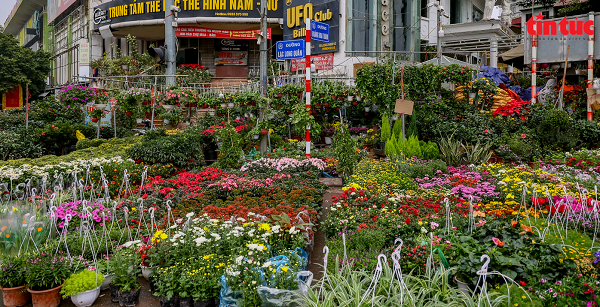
(253, 103)
(94, 120)
(366, 146)
(318, 105)
(186, 302)
(85, 299)
(464, 287)
(100, 106)
(145, 102)
(211, 113)
(129, 298)
(230, 105)
(205, 106)
(328, 140)
(106, 283)
(279, 95)
(184, 99)
(173, 302)
(358, 98)
(45, 298)
(340, 98)
(264, 131)
(299, 94)
(354, 102)
(166, 121)
(472, 95)
(16, 296)
(139, 120)
(326, 104)
(333, 97)
(168, 107)
(114, 293)
(337, 108)
(394, 117)
(223, 105)
(148, 114)
(206, 85)
(367, 109)
(146, 271)
(256, 136)
(128, 113)
(350, 98)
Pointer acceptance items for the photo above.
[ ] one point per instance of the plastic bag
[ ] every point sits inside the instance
(229, 298)
(272, 297)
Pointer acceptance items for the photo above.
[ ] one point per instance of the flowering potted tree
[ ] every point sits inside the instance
(12, 281)
(83, 288)
(44, 274)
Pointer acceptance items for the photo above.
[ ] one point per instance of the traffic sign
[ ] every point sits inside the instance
(319, 31)
(292, 49)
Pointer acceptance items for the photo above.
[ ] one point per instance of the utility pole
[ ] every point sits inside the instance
(440, 12)
(170, 14)
(263, 67)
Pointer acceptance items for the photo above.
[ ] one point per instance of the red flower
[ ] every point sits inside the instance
(407, 221)
(522, 283)
(144, 196)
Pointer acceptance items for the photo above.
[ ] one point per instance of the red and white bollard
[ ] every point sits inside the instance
(307, 69)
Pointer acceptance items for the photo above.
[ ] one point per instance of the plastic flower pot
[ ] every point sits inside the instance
(337, 108)
(206, 85)
(334, 97)
(264, 131)
(16, 296)
(328, 140)
(279, 95)
(128, 113)
(173, 302)
(253, 103)
(472, 95)
(211, 113)
(129, 298)
(326, 104)
(114, 293)
(355, 102)
(205, 106)
(186, 302)
(45, 298)
(350, 98)
(85, 299)
(139, 120)
(106, 283)
(100, 106)
(146, 271)
(230, 105)
(367, 109)
(464, 287)
(256, 136)
(168, 107)
(166, 121)
(94, 120)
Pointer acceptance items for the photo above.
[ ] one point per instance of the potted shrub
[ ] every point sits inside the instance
(12, 281)
(125, 279)
(83, 287)
(44, 274)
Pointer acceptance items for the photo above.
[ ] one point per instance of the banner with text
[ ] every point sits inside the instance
(325, 11)
(231, 58)
(322, 61)
(133, 10)
(216, 33)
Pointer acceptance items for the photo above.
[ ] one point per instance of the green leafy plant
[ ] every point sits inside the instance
(126, 269)
(12, 272)
(346, 149)
(45, 271)
(385, 129)
(83, 281)
(300, 118)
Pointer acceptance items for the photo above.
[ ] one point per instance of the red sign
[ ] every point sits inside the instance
(216, 33)
(13, 99)
(550, 27)
(321, 61)
(231, 58)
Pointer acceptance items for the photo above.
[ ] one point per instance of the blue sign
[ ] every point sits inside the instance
(292, 49)
(319, 31)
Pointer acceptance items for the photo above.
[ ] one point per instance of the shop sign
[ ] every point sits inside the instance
(322, 61)
(133, 10)
(294, 49)
(216, 33)
(231, 58)
(323, 11)
(57, 7)
(227, 44)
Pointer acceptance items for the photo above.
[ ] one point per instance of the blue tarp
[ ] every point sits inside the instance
(494, 74)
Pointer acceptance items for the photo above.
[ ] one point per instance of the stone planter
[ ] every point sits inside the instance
(16, 296)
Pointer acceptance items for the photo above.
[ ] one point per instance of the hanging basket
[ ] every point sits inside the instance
(128, 113)
(354, 103)
(264, 131)
(94, 119)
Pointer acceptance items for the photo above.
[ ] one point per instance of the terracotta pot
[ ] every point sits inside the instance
(334, 97)
(94, 120)
(326, 104)
(46, 298)
(253, 103)
(264, 131)
(16, 296)
(279, 95)
(128, 113)
(207, 85)
(354, 102)
(366, 146)
(205, 106)
(337, 108)
(318, 105)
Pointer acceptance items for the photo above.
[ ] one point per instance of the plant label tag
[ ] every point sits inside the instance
(404, 106)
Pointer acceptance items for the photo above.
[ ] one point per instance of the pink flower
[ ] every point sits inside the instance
(498, 242)
(480, 223)
(523, 136)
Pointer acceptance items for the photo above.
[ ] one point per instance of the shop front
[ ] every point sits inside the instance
(218, 34)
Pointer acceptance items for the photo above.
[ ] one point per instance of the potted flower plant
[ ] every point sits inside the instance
(96, 115)
(83, 287)
(12, 281)
(104, 266)
(125, 278)
(44, 274)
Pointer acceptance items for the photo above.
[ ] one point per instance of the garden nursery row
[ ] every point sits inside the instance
(480, 199)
